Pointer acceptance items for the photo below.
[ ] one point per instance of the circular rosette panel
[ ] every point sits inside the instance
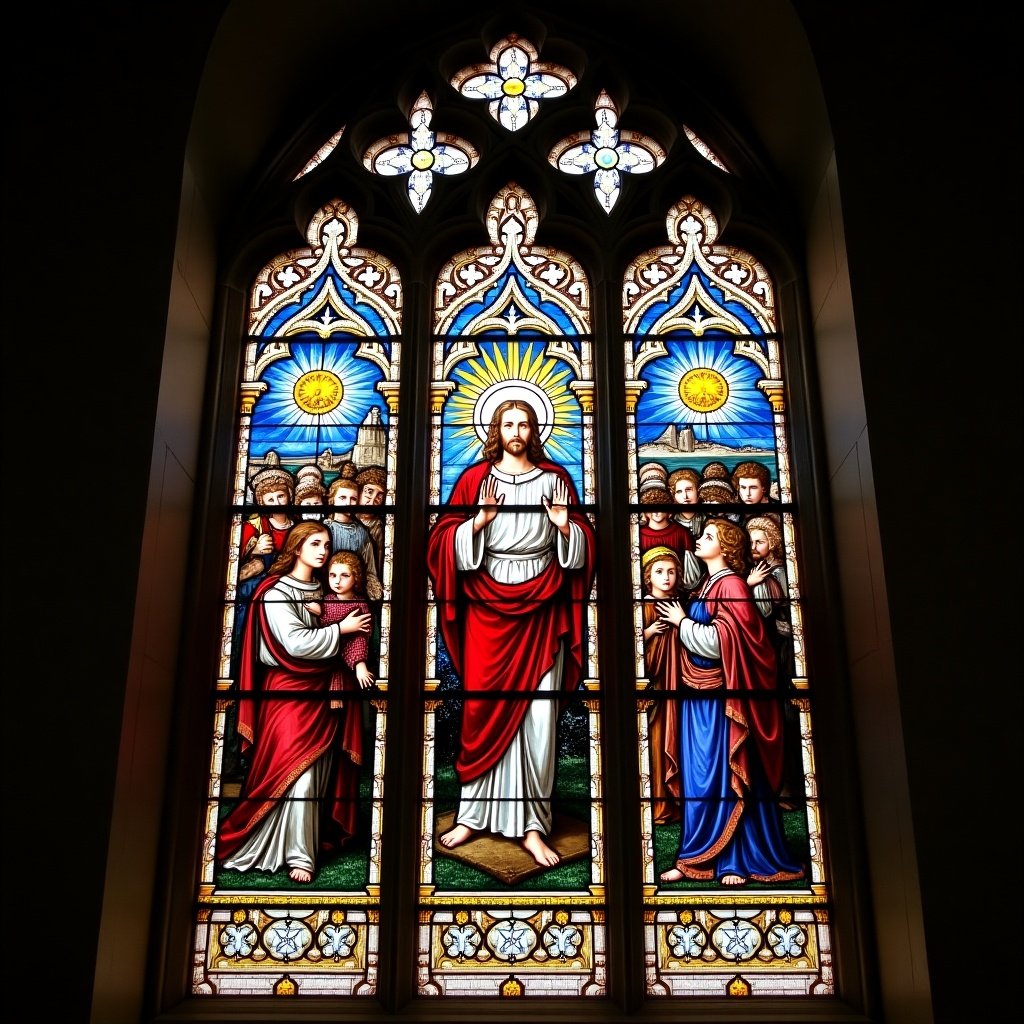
(287, 940)
(511, 939)
(562, 940)
(736, 939)
(687, 940)
(787, 939)
(461, 940)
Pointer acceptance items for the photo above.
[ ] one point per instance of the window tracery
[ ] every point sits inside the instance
(512, 319)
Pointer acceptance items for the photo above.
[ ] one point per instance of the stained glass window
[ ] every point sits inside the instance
(704, 149)
(420, 153)
(321, 154)
(511, 871)
(735, 891)
(500, 663)
(607, 152)
(289, 893)
(514, 83)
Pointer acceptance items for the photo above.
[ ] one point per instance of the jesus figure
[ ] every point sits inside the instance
(511, 582)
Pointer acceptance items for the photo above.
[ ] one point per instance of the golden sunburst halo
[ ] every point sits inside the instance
(512, 370)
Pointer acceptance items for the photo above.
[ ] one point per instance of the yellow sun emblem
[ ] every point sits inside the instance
(318, 392)
(703, 390)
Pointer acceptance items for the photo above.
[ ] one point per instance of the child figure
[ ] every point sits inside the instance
(661, 529)
(346, 579)
(662, 572)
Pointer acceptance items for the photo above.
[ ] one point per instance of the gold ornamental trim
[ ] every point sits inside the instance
(506, 900)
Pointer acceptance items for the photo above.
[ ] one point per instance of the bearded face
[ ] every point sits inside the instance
(515, 432)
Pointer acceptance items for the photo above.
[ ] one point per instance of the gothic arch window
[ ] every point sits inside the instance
(512, 872)
(420, 781)
(735, 881)
(299, 737)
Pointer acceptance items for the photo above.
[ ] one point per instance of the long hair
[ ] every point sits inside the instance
(735, 544)
(492, 446)
(297, 536)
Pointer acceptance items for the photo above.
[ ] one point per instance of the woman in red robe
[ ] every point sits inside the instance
(304, 754)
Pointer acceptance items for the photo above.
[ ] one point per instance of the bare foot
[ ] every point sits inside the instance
(732, 880)
(535, 846)
(456, 836)
(300, 875)
(672, 875)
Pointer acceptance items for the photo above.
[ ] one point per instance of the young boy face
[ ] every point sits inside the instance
(371, 494)
(663, 578)
(751, 490)
(345, 497)
(276, 497)
(340, 578)
(685, 492)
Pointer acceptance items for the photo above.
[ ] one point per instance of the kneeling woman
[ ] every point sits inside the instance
(730, 741)
(303, 752)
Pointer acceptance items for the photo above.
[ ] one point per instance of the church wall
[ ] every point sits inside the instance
(106, 663)
(890, 850)
(134, 856)
(929, 219)
(145, 753)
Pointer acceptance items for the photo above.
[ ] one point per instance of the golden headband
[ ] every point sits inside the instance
(656, 554)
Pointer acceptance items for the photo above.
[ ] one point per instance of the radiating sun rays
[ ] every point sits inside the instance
(282, 419)
(505, 370)
(705, 385)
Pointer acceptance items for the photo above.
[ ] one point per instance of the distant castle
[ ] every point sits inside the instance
(370, 449)
(679, 439)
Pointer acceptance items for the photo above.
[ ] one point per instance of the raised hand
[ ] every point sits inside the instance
(759, 573)
(489, 499)
(557, 506)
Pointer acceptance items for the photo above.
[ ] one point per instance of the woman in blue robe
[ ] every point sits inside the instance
(730, 726)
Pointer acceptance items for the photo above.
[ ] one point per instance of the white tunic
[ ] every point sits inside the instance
(289, 835)
(514, 797)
